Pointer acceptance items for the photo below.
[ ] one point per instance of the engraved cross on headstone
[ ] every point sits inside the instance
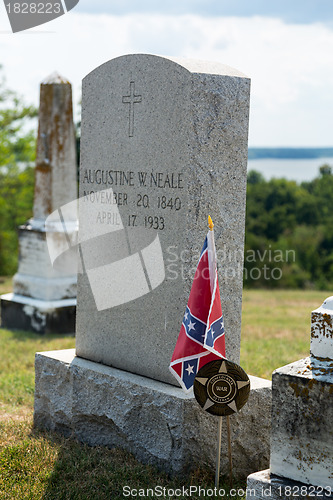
(131, 100)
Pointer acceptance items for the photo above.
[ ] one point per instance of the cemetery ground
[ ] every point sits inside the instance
(38, 464)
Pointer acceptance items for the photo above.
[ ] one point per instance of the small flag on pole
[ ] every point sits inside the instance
(201, 337)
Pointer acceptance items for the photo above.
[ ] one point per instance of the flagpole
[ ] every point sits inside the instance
(218, 454)
(212, 265)
(229, 450)
(211, 254)
(212, 271)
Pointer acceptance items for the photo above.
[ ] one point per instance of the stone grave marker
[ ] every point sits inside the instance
(164, 144)
(44, 297)
(301, 462)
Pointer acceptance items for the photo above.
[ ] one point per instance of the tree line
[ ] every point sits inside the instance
(17, 154)
(289, 226)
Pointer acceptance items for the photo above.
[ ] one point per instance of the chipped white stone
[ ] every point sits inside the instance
(322, 331)
(301, 461)
(328, 303)
(302, 414)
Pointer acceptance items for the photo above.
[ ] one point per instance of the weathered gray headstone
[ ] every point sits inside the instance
(44, 296)
(301, 461)
(164, 144)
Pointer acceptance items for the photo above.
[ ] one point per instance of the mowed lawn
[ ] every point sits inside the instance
(276, 328)
(36, 464)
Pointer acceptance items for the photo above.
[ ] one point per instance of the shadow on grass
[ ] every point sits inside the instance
(81, 472)
(40, 464)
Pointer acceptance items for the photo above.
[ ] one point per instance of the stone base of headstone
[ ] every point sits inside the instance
(157, 422)
(265, 486)
(42, 316)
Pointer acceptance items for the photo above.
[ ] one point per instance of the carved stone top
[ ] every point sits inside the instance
(54, 78)
(322, 331)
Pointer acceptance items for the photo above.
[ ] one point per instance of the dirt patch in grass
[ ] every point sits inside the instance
(16, 414)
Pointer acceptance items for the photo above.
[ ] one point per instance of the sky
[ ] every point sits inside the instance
(284, 46)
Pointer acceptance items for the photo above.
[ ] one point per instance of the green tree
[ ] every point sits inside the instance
(325, 170)
(17, 153)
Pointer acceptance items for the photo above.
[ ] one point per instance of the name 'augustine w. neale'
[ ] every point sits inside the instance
(161, 180)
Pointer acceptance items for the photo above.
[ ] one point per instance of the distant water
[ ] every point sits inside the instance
(298, 169)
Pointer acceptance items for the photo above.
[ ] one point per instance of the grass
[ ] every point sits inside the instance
(5, 284)
(36, 464)
(276, 328)
(17, 378)
(42, 465)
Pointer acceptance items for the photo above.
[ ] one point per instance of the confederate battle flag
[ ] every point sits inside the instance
(201, 337)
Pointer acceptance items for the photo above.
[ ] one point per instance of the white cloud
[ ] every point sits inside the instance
(291, 66)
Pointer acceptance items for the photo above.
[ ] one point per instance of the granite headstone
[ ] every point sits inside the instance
(164, 144)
